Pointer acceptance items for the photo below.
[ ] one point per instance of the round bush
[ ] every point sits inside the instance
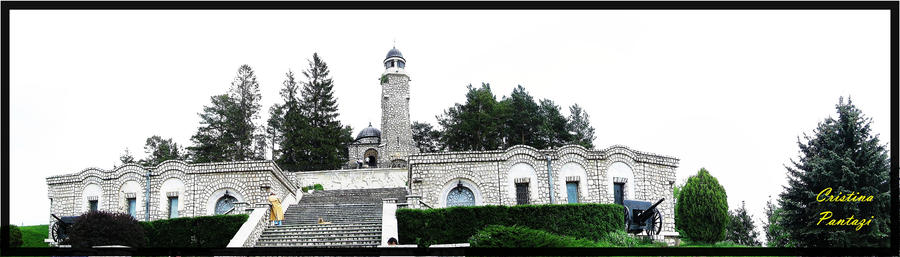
(15, 236)
(106, 228)
(701, 211)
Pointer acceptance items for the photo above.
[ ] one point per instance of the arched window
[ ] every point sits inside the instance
(225, 203)
(460, 196)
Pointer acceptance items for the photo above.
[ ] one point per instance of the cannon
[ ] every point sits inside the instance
(641, 216)
(59, 230)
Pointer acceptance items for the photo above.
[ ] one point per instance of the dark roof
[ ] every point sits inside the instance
(369, 132)
(393, 53)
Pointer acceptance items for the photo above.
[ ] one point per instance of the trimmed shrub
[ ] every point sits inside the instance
(701, 211)
(106, 228)
(458, 224)
(15, 236)
(204, 231)
(517, 236)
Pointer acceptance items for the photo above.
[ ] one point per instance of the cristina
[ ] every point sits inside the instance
(825, 196)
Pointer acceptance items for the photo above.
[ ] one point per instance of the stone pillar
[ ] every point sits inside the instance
(413, 201)
(388, 220)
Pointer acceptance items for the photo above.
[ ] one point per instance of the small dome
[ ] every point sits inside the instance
(394, 53)
(369, 132)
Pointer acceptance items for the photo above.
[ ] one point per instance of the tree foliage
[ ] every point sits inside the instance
(159, 150)
(228, 131)
(776, 236)
(309, 134)
(741, 228)
(843, 155)
(580, 126)
(126, 157)
(702, 208)
(475, 125)
(483, 123)
(427, 138)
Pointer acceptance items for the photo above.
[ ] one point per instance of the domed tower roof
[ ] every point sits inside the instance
(369, 132)
(394, 53)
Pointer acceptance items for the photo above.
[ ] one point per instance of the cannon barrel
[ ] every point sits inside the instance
(57, 218)
(646, 213)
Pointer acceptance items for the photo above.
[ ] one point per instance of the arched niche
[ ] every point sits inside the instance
(132, 190)
(572, 172)
(91, 192)
(460, 185)
(172, 187)
(220, 195)
(522, 171)
(621, 172)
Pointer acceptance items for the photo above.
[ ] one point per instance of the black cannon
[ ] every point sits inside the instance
(641, 216)
(59, 231)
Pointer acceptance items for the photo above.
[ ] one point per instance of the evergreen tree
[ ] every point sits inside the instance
(426, 137)
(212, 140)
(776, 236)
(522, 121)
(473, 126)
(741, 229)
(288, 124)
(228, 131)
(126, 157)
(324, 140)
(553, 129)
(701, 211)
(579, 127)
(844, 156)
(159, 150)
(244, 92)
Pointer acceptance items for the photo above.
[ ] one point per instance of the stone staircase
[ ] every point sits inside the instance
(355, 216)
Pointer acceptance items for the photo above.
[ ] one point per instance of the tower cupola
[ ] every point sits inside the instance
(394, 60)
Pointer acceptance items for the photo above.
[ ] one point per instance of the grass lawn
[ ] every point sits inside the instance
(33, 236)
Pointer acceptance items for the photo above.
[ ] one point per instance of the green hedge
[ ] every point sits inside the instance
(517, 237)
(205, 231)
(458, 224)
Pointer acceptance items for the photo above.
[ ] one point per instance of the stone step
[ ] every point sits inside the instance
(332, 220)
(307, 229)
(323, 238)
(289, 244)
(289, 234)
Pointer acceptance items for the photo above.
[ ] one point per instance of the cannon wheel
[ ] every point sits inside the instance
(655, 226)
(627, 218)
(57, 232)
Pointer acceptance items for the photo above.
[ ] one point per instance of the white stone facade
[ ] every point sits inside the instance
(354, 179)
(492, 175)
(197, 187)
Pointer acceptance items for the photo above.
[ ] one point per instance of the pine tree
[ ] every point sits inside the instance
(842, 155)
(126, 157)
(159, 150)
(289, 123)
(426, 137)
(553, 129)
(245, 93)
(776, 236)
(522, 121)
(579, 126)
(323, 142)
(228, 131)
(473, 126)
(741, 229)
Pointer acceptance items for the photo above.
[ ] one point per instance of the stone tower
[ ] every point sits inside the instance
(396, 136)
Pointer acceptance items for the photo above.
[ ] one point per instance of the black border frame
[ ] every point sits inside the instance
(892, 6)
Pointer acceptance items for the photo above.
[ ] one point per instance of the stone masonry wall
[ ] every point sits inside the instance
(395, 125)
(194, 184)
(494, 173)
(354, 178)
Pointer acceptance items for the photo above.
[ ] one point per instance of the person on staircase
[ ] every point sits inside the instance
(275, 214)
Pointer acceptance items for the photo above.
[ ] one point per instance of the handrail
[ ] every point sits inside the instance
(425, 204)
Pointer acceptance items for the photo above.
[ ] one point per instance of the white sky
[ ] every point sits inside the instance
(727, 90)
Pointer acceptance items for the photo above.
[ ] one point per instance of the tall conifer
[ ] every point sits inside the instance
(843, 155)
